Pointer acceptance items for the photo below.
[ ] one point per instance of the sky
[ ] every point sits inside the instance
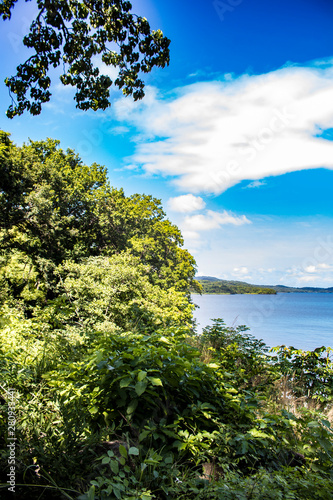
(235, 136)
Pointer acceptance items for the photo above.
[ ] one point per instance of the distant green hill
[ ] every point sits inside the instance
(213, 285)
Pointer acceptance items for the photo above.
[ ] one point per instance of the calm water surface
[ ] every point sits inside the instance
(301, 320)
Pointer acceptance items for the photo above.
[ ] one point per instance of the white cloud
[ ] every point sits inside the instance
(213, 220)
(241, 273)
(212, 135)
(241, 270)
(191, 235)
(324, 266)
(110, 71)
(315, 273)
(256, 184)
(316, 269)
(307, 279)
(186, 203)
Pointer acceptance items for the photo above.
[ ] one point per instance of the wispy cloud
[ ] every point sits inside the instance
(212, 135)
(119, 130)
(255, 184)
(307, 279)
(313, 273)
(213, 220)
(241, 273)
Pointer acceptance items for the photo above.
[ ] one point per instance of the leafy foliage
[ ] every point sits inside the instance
(53, 208)
(72, 33)
(118, 398)
(307, 374)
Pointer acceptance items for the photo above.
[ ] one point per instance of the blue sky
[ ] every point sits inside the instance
(235, 136)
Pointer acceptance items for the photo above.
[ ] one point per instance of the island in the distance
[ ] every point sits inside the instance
(211, 285)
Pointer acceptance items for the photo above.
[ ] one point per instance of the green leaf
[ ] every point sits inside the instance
(313, 423)
(142, 375)
(164, 340)
(117, 493)
(155, 381)
(132, 406)
(91, 493)
(259, 434)
(125, 382)
(140, 387)
(122, 451)
(326, 423)
(93, 410)
(245, 447)
(133, 451)
(114, 466)
(213, 365)
(144, 434)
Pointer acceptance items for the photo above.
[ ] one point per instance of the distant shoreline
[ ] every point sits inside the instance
(216, 286)
(229, 293)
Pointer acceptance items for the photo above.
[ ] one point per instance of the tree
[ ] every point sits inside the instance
(72, 33)
(54, 208)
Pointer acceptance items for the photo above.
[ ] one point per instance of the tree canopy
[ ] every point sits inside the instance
(53, 209)
(72, 33)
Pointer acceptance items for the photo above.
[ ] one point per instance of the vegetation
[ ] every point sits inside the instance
(79, 36)
(214, 285)
(116, 397)
(232, 287)
(304, 289)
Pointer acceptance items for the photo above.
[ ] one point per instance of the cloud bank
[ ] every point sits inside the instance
(212, 135)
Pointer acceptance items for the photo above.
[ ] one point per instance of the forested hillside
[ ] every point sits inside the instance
(216, 286)
(106, 390)
(213, 285)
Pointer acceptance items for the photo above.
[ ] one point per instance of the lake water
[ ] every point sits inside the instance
(301, 320)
